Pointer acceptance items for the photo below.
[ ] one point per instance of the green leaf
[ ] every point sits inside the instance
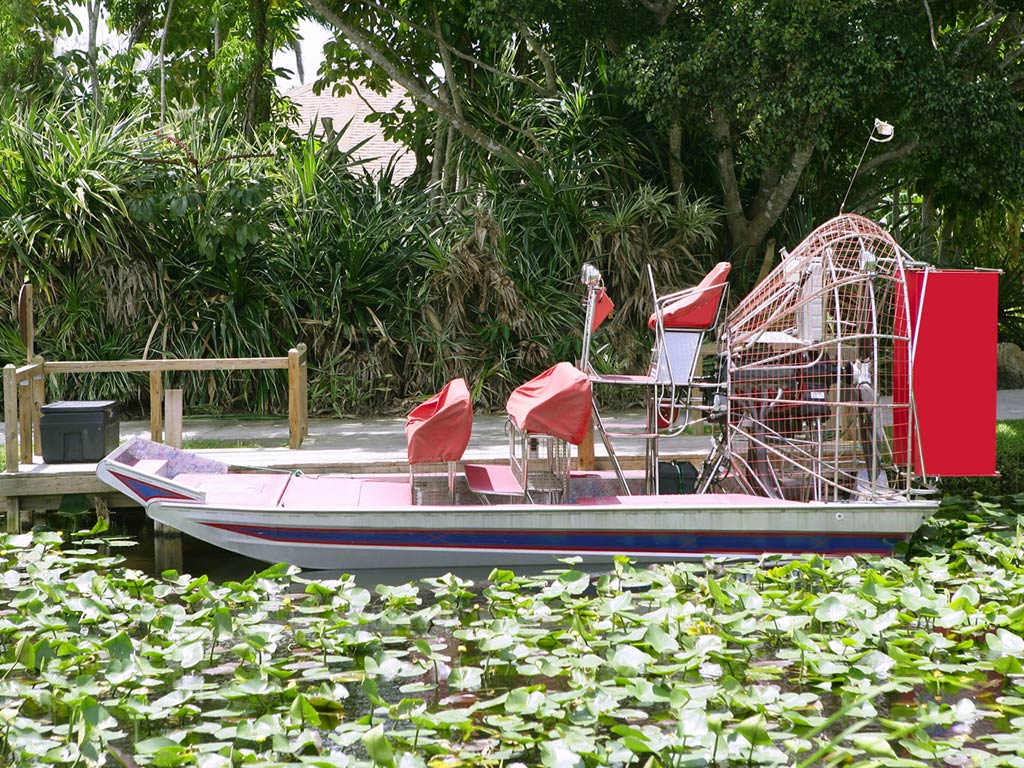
(831, 609)
(558, 754)
(223, 624)
(190, 654)
(1005, 643)
(303, 712)
(876, 744)
(755, 730)
(153, 745)
(718, 594)
(120, 647)
(378, 746)
(575, 582)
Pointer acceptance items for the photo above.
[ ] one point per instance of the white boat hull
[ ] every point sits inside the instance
(668, 528)
(361, 522)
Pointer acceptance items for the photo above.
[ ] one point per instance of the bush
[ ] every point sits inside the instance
(1009, 465)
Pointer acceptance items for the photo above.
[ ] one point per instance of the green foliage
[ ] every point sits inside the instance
(1009, 466)
(28, 29)
(799, 662)
(190, 241)
(217, 55)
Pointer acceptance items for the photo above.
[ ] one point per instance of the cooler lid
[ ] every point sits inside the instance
(78, 406)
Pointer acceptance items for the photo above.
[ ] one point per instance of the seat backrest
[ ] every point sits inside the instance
(676, 357)
(438, 429)
(556, 403)
(697, 307)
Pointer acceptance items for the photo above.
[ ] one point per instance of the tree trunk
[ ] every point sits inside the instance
(257, 100)
(216, 50)
(768, 261)
(1015, 233)
(675, 165)
(748, 226)
(300, 70)
(92, 10)
(437, 162)
(163, 67)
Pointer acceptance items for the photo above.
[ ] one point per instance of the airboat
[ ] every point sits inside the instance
(839, 391)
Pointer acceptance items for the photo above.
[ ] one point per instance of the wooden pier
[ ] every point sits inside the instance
(30, 488)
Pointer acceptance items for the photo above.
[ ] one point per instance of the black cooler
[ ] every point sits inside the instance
(79, 430)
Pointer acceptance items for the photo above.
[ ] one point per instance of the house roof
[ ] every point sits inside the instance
(356, 106)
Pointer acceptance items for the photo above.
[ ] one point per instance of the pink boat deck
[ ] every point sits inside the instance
(299, 491)
(698, 500)
(337, 493)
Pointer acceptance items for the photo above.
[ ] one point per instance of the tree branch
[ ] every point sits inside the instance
(550, 78)
(441, 42)
(896, 153)
(1008, 30)
(1012, 58)
(931, 25)
(415, 89)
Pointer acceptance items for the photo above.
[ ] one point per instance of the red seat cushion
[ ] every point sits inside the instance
(697, 307)
(555, 403)
(439, 429)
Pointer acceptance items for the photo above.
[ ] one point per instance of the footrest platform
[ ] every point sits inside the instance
(492, 480)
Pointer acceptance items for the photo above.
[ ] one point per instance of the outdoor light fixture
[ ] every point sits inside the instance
(884, 130)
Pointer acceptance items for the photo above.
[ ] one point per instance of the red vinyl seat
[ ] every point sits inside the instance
(438, 429)
(555, 403)
(694, 308)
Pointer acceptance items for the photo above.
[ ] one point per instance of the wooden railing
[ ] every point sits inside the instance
(25, 393)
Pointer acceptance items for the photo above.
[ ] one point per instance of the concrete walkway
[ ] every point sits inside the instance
(383, 439)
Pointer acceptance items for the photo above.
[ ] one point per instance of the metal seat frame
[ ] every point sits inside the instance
(670, 378)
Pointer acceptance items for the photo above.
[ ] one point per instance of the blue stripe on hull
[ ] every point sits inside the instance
(147, 491)
(559, 541)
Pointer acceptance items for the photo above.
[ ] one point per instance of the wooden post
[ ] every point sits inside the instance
(167, 548)
(304, 389)
(295, 362)
(25, 419)
(13, 514)
(173, 407)
(38, 401)
(156, 406)
(585, 452)
(11, 418)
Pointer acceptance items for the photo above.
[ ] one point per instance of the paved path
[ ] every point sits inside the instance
(383, 439)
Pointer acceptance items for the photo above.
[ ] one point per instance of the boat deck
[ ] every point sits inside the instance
(36, 488)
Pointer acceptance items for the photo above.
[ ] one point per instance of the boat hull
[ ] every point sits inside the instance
(666, 528)
(358, 522)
